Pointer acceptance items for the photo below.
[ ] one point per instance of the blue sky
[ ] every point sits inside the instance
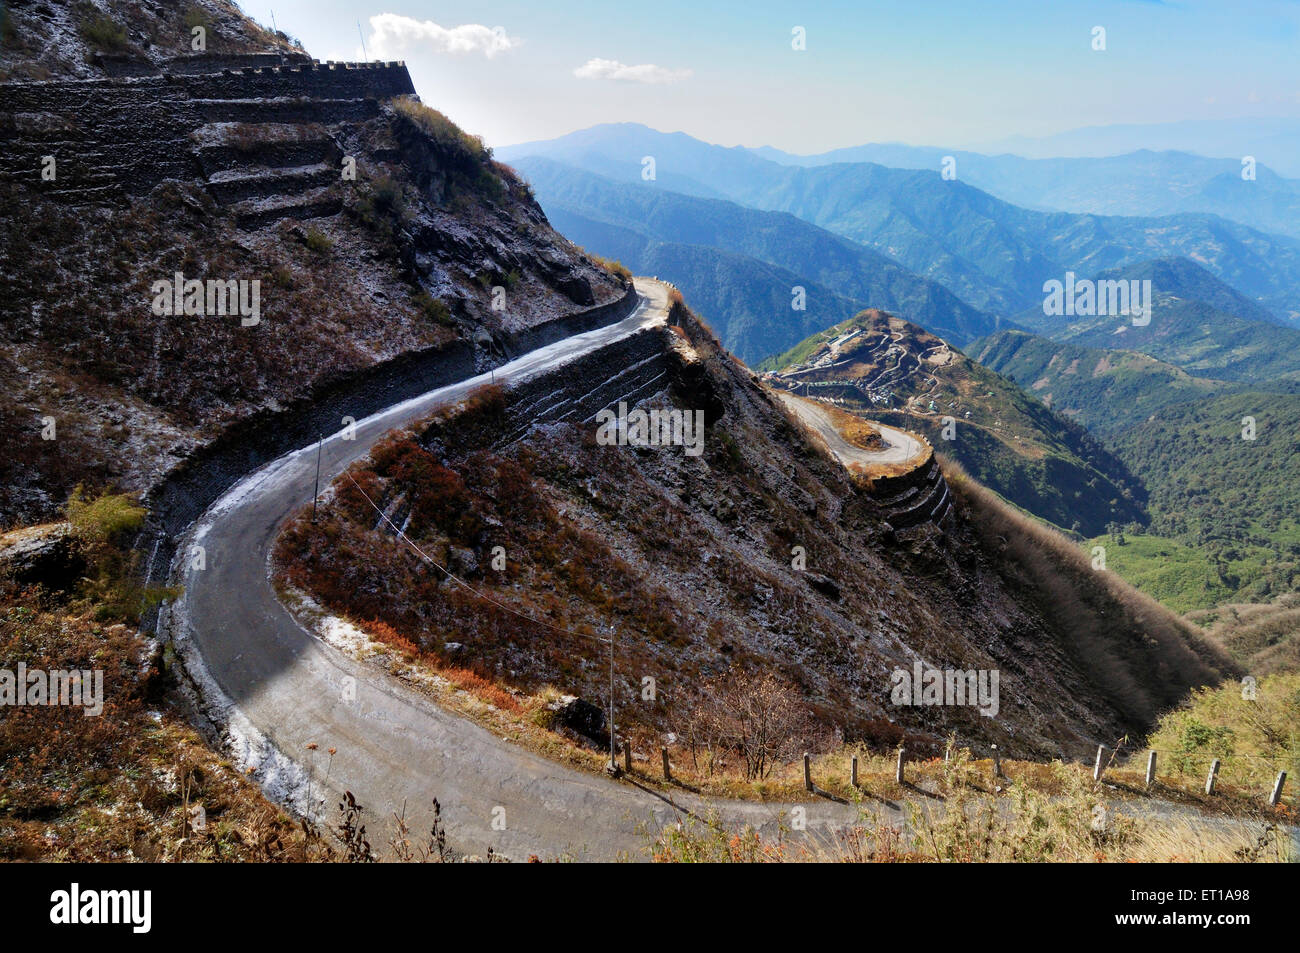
(941, 73)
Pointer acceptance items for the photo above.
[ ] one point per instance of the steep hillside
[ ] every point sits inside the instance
(1105, 390)
(888, 369)
(689, 560)
(1264, 638)
(246, 190)
(818, 259)
(990, 253)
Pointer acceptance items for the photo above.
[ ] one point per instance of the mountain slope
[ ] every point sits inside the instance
(688, 559)
(342, 277)
(890, 370)
(745, 300)
(1105, 390)
(80, 40)
(1140, 183)
(1233, 499)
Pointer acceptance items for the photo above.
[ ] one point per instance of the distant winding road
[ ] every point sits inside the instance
(900, 446)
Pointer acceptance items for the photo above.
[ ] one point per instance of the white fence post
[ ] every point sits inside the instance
(1277, 789)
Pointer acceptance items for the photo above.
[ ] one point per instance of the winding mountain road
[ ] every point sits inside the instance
(276, 688)
(900, 446)
(285, 698)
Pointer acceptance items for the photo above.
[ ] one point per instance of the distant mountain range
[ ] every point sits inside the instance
(992, 254)
(1139, 183)
(1197, 323)
(1274, 142)
(738, 266)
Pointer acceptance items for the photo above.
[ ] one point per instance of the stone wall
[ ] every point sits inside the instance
(95, 128)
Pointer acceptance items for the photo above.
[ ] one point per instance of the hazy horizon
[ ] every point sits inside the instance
(948, 75)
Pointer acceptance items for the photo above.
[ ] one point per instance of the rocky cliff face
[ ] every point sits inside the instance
(359, 225)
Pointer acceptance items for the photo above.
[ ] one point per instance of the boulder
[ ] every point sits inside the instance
(581, 717)
(43, 555)
(824, 584)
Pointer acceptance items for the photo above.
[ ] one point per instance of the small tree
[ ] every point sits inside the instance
(755, 715)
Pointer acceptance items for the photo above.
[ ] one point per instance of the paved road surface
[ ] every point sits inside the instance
(279, 688)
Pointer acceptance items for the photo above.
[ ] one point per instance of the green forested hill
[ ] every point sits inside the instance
(1197, 323)
(1233, 499)
(1106, 391)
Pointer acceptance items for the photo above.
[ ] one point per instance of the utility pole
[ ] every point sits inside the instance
(613, 760)
(319, 443)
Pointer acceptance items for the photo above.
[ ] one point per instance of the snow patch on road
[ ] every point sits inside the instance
(279, 776)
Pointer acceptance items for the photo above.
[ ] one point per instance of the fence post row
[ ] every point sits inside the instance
(1275, 796)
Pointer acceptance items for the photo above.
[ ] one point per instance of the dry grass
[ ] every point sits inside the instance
(1142, 656)
(855, 430)
(1070, 820)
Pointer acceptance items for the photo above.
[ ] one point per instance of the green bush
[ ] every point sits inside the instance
(101, 31)
(433, 309)
(318, 241)
(104, 519)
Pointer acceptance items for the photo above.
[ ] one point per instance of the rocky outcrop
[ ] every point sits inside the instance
(43, 555)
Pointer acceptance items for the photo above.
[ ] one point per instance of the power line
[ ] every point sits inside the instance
(613, 760)
(451, 575)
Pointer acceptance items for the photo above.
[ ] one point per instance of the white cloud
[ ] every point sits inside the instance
(393, 36)
(621, 72)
